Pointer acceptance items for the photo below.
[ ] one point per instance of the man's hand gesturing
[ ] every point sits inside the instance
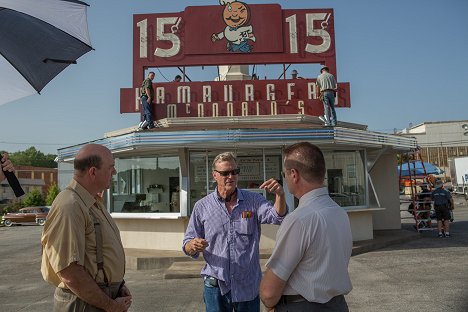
(196, 245)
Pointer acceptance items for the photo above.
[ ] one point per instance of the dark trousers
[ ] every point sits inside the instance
(336, 304)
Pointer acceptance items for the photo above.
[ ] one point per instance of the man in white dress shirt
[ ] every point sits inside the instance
(308, 269)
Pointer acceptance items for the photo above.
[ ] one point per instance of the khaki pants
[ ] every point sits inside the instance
(66, 301)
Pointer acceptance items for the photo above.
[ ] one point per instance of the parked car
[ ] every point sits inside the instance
(36, 215)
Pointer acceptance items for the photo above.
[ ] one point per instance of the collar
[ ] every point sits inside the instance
(87, 198)
(227, 199)
(312, 195)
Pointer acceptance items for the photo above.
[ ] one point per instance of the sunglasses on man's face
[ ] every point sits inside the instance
(229, 172)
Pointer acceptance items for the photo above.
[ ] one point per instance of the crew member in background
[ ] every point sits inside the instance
(147, 97)
(442, 199)
(178, 78)
(294, 75)
(327, 86)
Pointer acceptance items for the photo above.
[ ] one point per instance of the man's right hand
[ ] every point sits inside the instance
(196, 245)
(121, 304)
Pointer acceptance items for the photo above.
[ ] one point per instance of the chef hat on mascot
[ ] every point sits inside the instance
(224, 2)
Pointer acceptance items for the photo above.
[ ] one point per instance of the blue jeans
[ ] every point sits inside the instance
(147, 111)
(215, 302)
(329, 106)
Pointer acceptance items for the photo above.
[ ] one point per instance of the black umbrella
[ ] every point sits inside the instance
(39, 39)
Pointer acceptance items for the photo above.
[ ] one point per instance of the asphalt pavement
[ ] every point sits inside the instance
(427, 274)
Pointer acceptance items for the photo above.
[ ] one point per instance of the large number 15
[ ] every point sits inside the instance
(311, 32)
(160, 35)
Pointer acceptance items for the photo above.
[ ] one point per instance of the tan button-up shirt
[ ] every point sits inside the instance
(69, 236)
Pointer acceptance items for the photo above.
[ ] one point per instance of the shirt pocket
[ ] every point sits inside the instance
(244, 226)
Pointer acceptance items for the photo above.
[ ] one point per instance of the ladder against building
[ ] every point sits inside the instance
(416, 188)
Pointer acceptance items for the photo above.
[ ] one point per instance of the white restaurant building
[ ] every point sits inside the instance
(162, 173)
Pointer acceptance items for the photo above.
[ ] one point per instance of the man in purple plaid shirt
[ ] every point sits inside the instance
(225, 226)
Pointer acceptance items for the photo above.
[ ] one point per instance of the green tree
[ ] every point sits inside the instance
(33, 157)
(52, 192)
(33, 198)
(11, 207)
(403, 158)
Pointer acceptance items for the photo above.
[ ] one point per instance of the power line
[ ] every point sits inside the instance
(34, 143)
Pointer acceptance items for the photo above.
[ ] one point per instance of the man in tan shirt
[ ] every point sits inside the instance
(83, 254)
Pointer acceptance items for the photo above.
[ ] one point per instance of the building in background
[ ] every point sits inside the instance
(30, 178)
(47, 175)
(162, 172)
(440, 140)
(7, 194)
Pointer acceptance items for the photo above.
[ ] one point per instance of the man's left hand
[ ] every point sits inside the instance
(273, 186)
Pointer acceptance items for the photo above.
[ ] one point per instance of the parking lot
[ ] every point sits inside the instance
(428, 274)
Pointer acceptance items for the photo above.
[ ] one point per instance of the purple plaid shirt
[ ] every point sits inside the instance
(232, 255)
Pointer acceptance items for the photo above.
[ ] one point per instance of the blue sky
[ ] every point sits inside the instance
(406, 61)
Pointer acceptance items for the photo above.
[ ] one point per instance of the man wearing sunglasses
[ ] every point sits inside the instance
(225, 227)
(308, 269)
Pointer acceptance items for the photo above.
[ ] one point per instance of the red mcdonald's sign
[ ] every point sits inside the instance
(234, 33)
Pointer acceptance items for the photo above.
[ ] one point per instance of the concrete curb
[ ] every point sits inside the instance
(191, 269)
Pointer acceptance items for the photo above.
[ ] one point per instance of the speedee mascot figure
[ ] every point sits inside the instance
(236, 16)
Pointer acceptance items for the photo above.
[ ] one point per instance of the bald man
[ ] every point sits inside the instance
(83, 254)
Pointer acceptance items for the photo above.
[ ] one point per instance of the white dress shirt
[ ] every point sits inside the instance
(313, 248)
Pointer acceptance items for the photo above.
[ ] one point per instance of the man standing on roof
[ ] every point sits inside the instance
(147, 96)
(327, 85)
(294, 74)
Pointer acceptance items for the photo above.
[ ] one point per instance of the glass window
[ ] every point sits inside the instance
(346, 177)
(146, 184)
(256, 166)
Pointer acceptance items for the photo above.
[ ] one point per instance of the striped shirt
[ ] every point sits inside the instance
(232, 255)
(326, 81)
(313, 248)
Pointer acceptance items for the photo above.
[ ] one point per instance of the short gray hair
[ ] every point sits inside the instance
(226, 156)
